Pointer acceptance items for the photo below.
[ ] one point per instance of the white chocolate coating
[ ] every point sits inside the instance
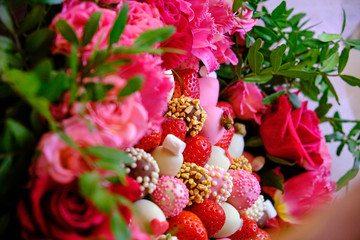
(218, 158)
(169, 163)
(232, 221)
(237, 145)
(147, 212)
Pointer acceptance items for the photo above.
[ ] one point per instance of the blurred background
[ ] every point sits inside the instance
(327, 15)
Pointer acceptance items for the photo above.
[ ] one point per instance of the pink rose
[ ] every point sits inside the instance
(304, 194)
(294, 134)
(126, 122)
(247, 22)
(177, 13)
(61, 162)
(77, 14)
(156, 86)
(246, 100)
(142, 17)
(55, 211)
(111, 1)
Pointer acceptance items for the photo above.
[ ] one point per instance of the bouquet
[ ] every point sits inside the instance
(169, 119)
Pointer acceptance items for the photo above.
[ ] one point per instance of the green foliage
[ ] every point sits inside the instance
(284, 53)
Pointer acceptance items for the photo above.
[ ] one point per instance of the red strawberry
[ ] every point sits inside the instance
(211, 214)
(225, 141)
(175, 127)
(197, 150)
(226, 106)
(150, 141)
(188, 80)
(248, 229)
(257, 176)
(186, 225)
(260, 235)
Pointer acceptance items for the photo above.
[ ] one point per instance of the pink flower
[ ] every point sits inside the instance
(55, 211)
(246, 21)
(246, 100)
(156, 85)
(177, 13)
(223, 52)
(77, 14)
(61, 162)
(126, 122)
(111, 1)
(303, 194)
(142, 17)
(294, 134)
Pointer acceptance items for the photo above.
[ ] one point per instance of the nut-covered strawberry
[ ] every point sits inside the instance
(211, 214)
(150, 141)
(186, 83)
(174, 126)
(225, 141)
(248, 229)
(197, 150)
(187, 225)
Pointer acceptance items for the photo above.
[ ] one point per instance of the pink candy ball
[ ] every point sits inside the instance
(171, 195)
(221, 183)
(246, 189)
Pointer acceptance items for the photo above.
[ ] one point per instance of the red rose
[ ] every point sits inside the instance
(293, 134)
(58, 211)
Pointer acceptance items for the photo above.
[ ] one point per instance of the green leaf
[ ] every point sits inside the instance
(150, 37)
(89, 183)
(340, 148)
(6, 18)
(258, 79)
(344, 180)
(96, 91)
(6, 44)
(5, 168)
(328, 37)
(255, 141)
(73, 60)
(279, 12)
(344, 21)
(270, 179)
(39, 41)
(237, 5)
(309, 89)
(271, 99)
(67, 32)
(255, 58)
(21, 135)
(298, 74)
(294, 21)
(27, 83)
(91, 27)
(280, 160)
(344, 57)
(32, 19)
(119, 226)
(108, 154)
(330, 62)
(132, 86)
(103, 200)
(331, 87)
(276, 57)
(119, 25)
(51, 2)
(54, 87)
(295, 102)
(265, 33)
(322, 109)
(354, 130)
(314, 43)
(353, 43)
(351, 80)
